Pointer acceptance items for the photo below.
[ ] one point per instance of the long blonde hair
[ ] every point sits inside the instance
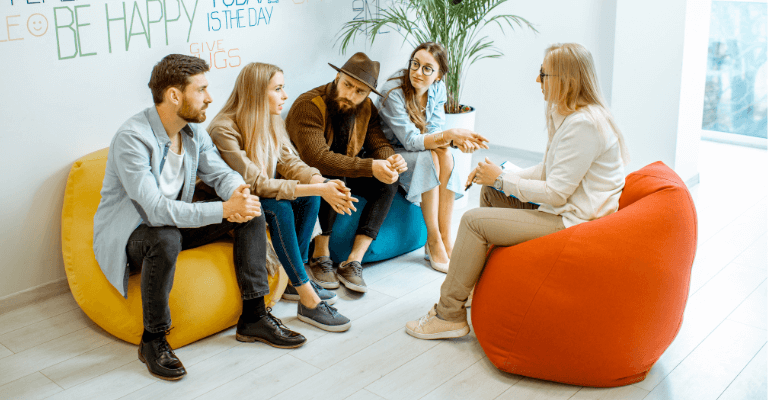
(572, 86)
(263, 133)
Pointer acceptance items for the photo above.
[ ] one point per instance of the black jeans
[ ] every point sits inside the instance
(378, 197)
(153, 251)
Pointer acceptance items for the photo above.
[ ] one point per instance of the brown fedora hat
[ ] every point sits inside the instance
(362, 68)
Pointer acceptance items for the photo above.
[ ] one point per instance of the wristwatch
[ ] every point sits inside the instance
(498, 183)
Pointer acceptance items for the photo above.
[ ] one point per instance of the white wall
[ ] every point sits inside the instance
(54, 111)
(691, 112)
(648, 84)
(509, 101)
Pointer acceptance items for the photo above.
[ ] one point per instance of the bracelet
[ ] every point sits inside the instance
(327, 180)
(453, 145)
(440, 141)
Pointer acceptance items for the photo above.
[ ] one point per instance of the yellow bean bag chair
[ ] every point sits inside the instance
(205, 298)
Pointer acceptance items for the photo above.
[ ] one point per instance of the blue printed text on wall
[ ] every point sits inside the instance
(237, 14)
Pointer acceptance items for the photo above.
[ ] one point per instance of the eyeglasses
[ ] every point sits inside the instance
(425, 69)
(542, 74)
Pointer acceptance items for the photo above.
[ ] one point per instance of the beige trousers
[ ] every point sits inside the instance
(502, 221)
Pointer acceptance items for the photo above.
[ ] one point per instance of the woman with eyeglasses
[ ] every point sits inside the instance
(251, 137)
(580, 180)
(413, 115)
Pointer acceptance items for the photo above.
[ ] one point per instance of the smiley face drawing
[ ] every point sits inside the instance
(37, 24)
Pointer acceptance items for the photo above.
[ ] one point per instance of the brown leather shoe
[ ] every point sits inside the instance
(351, 275)
(161, 360)
(321, 271)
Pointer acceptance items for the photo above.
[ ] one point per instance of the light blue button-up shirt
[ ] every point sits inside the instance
(130, 195)
(408, 141)
(398, 127)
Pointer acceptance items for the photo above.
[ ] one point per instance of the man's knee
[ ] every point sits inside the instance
(166, 240)
(256, 225)
(390, 189)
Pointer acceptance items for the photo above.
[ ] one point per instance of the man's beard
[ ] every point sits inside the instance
(189, 114)
(340, 107)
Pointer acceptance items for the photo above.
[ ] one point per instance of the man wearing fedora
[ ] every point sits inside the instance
(336, 129)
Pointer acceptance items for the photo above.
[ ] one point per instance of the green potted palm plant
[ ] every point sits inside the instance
(456, 24)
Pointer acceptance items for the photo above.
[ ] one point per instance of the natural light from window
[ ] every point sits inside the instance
(735, 90)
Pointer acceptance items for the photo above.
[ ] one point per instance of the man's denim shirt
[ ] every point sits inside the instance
(130, 195)
(398, 127)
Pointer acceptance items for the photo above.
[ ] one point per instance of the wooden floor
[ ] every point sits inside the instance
(51, 350)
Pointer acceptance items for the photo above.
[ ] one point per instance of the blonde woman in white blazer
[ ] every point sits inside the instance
(579, 180)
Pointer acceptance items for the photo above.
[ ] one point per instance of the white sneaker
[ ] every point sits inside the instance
(432, 327)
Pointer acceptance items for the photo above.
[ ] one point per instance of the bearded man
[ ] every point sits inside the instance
(336, 129)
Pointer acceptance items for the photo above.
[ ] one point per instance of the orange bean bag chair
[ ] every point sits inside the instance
(205, 298)
(598, 303)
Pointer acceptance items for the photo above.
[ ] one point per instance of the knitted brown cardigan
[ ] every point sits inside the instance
(311, 132)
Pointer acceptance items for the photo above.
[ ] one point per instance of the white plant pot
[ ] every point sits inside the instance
(463, 161)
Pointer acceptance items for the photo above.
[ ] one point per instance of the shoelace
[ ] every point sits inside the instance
(356, 267)
(315, 286)
(326, 265)
(163, 346)
(330, 308)
(275, 321)
(423, 320)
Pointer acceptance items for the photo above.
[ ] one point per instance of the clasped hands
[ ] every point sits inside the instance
(338, 196)
(466, 140)
(389, 170)
(242, 206)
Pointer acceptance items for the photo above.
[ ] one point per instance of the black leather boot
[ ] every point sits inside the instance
(269, 330)
(160, 359)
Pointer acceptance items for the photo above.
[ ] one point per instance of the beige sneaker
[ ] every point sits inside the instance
(432, 327)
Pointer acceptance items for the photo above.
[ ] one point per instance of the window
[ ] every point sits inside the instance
(735, 90)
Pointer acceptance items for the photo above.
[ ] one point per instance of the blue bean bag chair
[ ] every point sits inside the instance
(402, 231)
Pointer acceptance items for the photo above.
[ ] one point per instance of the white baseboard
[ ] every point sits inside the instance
(33, 295)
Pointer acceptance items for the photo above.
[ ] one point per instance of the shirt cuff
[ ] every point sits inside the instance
(509, 182)
(213, 212)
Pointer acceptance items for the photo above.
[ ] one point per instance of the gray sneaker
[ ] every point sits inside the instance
(351, 275)
(321, 271)
(327, 296)
(324, 317)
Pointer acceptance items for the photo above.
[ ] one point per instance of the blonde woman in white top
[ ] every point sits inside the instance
(579, 180)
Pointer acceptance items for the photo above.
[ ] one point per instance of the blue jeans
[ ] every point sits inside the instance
(290, 225)
(153, 251)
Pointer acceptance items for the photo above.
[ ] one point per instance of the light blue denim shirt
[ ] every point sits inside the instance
(130, 195)
(397, 126)
(408, 141)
